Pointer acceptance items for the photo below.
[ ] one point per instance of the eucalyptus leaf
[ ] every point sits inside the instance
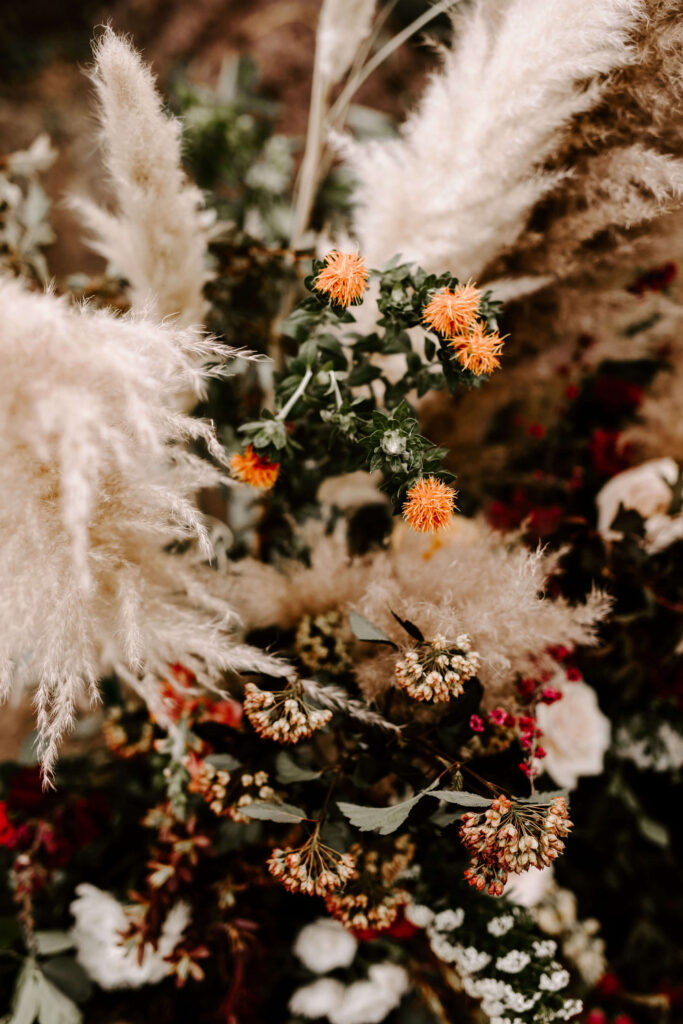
(546, 797)
(265, 811)
(365, 630)
(222, 762)
(460, 797)
(384, 820)
(51, 943)
(289, 771)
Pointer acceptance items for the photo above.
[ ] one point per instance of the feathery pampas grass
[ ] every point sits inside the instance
(96, 485)
(515, 76)
(157, 237)
(477, 581)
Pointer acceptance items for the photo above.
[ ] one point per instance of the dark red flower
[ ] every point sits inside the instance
(617, 394)
(573, 674)
(609, 984)
(608, 456)
(8, 833)
(543, 521)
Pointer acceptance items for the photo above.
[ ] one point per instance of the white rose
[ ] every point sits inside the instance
(368, 1002)
(645, 488)
(319, 999)
(576, 734)
(100, 922)
(324, 945)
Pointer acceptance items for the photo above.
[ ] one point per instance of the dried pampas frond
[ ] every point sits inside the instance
(482, 583)
(626, 157)
(516, 75)
(476, 581)
(157, 237)
(96, 488)
(342, 27)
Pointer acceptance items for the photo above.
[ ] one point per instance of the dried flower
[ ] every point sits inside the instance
(452, 312)
(439, 672)
(478, 351)
(284, 716)
(117, 739)
(254, 469)
(430, 505)
(312, 868)
(344, 278)
(323, 642)
(512, 837)
(372, 900)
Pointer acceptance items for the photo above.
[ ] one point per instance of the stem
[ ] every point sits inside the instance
(354, 83)
(337, 392)
(309, 171)
(282, 415)
(326, 803)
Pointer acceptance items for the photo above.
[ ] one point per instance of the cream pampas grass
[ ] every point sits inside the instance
(157, 237)
(97, 486)
(476, 581)
(491, 117)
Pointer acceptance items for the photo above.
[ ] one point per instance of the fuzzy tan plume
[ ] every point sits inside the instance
(96, 485)
(156, 237)
(477, 581)
(490, 118)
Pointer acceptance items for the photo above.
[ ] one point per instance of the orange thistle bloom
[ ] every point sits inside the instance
(430, 505)
(254, 469)
(450, 313)
(344, 278)
(478, 351)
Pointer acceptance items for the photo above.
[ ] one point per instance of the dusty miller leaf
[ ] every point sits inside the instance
(460, 797)
(289, 771)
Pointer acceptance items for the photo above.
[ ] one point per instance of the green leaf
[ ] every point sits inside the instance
(289, 771)
(365, 630)
(265, 811)
(379, 819)
(222, 762)
(543, 798)
(460, 797)
(51, 943)
(37, 1000)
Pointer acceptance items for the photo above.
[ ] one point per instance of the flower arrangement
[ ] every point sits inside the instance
(327, 561)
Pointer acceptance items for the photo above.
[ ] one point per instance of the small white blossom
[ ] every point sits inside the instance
(554, 982)
(500, 925)
(319, 999)
(419, 915)
(448, 920)
(513, 962)
(545, 948)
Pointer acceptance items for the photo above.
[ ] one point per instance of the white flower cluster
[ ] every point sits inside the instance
(662, 752)
(500, 925)
(441, 673)
(500, 1000)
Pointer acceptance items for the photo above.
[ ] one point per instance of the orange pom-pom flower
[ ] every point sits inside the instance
(344, 278)
(254, 469)
(452, 311)
(478, 351)
(430, 505)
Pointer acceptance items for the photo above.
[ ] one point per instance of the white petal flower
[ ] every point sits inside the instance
(576, 734)
(325, 945)
(101, 951)
(319, 999)
(368, 1002)
(513, 962)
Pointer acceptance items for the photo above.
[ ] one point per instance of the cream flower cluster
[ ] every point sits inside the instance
(282, 716)
(440, 673)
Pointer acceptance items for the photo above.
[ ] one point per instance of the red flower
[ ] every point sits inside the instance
(224, 712)
(476, 724)
(654, 280)
(596, 1017)
(571, 392)
(526, 687)
(550, 695)
(617, 394)
(536, 430)
(609, 984)
(573, 674)
(8, 833)
(545, 520)
(607, 455)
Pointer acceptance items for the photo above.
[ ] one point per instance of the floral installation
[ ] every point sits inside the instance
(340, 526)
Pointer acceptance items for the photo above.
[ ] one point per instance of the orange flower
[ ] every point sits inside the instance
(344, 278)
(254, 469)
(478, 351)
(430, 505)
(452, 312)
